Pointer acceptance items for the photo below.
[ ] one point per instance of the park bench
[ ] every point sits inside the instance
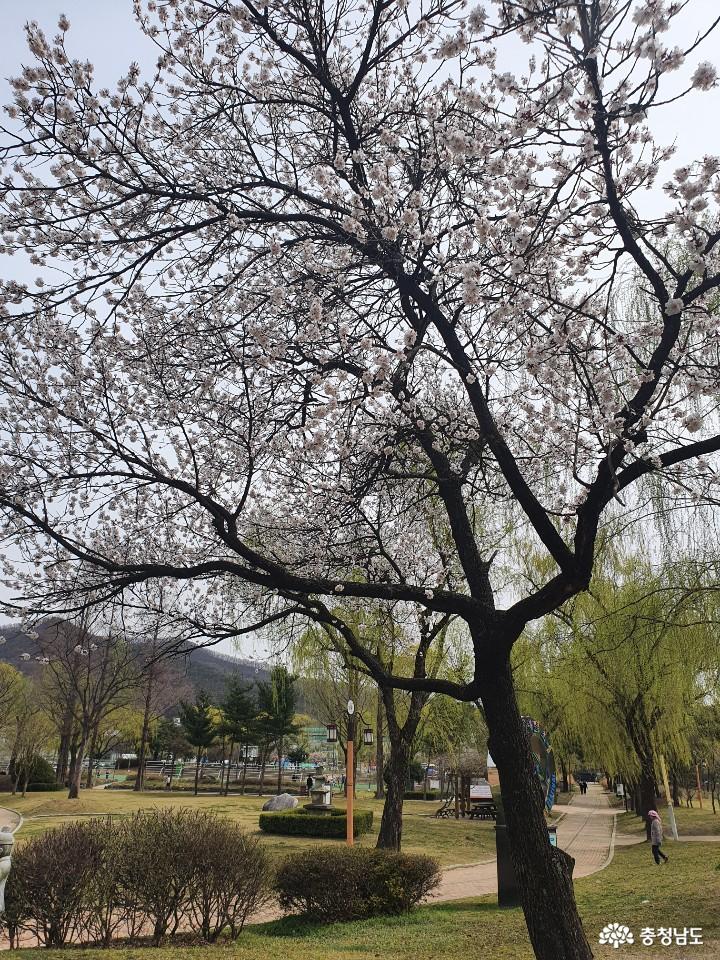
(447, 809)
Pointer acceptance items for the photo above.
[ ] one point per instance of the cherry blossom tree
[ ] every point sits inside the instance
(332, 273)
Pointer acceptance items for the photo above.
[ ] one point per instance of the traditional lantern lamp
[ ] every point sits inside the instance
(332, 733)
(368, 737)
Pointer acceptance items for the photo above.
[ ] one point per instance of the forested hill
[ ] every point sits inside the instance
(205, 668)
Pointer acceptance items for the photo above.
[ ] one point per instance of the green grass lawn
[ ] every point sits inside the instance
(632, 890)
(450, 841)
(690, 822)
(563, 797)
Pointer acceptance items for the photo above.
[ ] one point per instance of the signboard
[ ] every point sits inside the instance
(481, 791)
(620, 789)
(544, 759)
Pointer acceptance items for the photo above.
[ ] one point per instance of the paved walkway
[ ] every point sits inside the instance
(586, 831)
(9, 820)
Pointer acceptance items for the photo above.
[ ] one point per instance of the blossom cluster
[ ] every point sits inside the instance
(275, 324)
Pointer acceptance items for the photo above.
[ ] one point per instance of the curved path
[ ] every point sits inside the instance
(586, 831)
(10, 821)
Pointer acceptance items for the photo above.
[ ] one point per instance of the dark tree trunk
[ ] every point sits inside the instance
(140, 779)
(379, 749)
(229, 770)
(396, 769)
(543, 872)
(263, 759)
(565, 781)
(647, 797)
(197, 772)
(675, 790)
(61, 767)
(93, 751)
(76, 774)
(280, 753)
(390, 836)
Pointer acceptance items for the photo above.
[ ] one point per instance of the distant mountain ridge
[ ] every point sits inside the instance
(205, 668)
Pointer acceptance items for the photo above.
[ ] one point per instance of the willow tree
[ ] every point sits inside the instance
(546, 693)
(329, 254)
(396, 645)
(631, 663)
(11, 682)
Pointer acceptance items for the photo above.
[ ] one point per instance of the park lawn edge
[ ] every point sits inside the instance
(631, 890)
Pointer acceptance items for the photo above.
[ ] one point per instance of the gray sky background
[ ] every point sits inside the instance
(104, 32)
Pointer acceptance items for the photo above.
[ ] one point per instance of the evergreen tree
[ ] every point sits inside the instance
(240, 715)
(277, 699)
(198, 723)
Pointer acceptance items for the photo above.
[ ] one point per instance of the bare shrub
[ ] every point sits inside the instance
(47, 888)
(231, 877)
(166, 871)
(106, 913)
(155, 871)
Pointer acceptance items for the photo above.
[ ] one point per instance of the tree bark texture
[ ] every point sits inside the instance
(76, 774)
(543, 872)
(565, 780)
(390, 836)
(401, 738)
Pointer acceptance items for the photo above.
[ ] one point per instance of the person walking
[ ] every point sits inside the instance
(309, 784)
(656, 836)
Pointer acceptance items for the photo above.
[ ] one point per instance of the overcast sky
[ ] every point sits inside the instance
(104, 32)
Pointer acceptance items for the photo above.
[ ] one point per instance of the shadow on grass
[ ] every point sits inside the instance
(298, 926)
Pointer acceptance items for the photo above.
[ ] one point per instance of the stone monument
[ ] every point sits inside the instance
(320, 796)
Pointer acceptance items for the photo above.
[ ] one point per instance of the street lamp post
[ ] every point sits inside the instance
(350, 772)
(332, 736)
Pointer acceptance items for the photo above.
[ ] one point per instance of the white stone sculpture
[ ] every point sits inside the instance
(6, 845)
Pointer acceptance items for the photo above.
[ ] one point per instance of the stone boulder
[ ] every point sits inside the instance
(283, 801)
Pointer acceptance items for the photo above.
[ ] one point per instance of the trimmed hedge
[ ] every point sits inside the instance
(353, 883)
(159, 787)
(42, 787)
(418, 795)
(303, 823)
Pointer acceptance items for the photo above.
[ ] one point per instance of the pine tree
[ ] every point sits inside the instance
(277, 700)
(240, 714)
(199, 726)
